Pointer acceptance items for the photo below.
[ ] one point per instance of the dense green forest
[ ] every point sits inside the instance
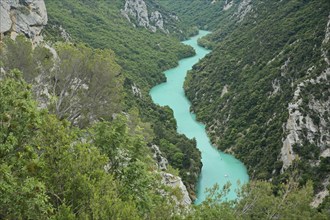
(242, 90)
(50, 169)
(77, 123)
(142, 62)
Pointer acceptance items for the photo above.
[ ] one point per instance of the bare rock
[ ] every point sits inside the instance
(5, 20)
(137, 13)
(158, 156)
(26, 17)
(176, 182)
(170, 179)
(243, 9)
(228, 5)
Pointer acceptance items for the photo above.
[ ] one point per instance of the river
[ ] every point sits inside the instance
(218, 167)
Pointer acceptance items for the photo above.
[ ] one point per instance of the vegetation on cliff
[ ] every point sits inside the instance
(263, 92)
(74, 140)
(143, 56)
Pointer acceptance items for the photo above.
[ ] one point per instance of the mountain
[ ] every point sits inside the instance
(115, 68)
(263, 92)
(81, 139)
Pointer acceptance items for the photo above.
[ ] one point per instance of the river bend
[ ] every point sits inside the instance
(218, 167)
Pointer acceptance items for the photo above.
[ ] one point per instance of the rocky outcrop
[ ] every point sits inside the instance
(300, 126)
(156, 18)
(224, 91)
(243, 9)
(5, 18)
(319, 197)
(309, 120)
(170, 179)
(158, 156)
(137, 12)
(26, 17)
(176, 182)
(228, 5)
(136, 91)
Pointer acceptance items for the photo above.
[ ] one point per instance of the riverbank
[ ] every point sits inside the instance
(218, 168)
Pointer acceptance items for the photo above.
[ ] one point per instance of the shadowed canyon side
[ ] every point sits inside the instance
(218, 168)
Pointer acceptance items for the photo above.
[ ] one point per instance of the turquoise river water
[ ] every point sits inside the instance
(218, 167)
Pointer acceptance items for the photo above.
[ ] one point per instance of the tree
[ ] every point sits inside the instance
(23, 195)
(85, 84)
(258, 200)
(32, 62)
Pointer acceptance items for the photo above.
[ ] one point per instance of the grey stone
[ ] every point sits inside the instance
(27, 17)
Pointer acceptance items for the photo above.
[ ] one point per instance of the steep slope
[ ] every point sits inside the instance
(264, 90)
(74, 88)
(207, 14)
(50, 169)
(143, 60)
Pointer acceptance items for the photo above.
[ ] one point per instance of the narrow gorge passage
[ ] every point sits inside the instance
(218, 167)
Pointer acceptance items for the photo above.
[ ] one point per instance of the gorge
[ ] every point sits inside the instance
(90, 129)
(218, 168)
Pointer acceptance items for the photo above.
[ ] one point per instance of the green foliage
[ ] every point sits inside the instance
(19, 54)
(248, 59)
(258, 201)
(206, 14)
(22, 195)
(142, 60)
(77, 79)
(51, 170)
(82, 80)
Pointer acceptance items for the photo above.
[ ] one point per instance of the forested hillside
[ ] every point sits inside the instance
(51, 170)
(142, 55)
(81, 139)
(264, 90)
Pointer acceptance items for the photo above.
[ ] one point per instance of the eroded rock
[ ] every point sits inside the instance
(26, 17)
(137, 13)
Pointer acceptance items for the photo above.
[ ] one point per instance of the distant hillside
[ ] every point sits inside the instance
(142, 53)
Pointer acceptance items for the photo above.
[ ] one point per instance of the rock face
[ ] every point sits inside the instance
(26, 17)
(156, 18)
(228, 5)
(136, 91)
(169, 179)
(158, 156)
(309, 120)
(318, 199)
(5, 20)
(243, 9)
(302, 126)
(136, 12)
(176, 182)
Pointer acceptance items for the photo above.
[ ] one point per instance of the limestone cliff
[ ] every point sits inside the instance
(309, 119)
(170, 179)
(139, 14)
(26, 17)
(263, 92)
(311, 124)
